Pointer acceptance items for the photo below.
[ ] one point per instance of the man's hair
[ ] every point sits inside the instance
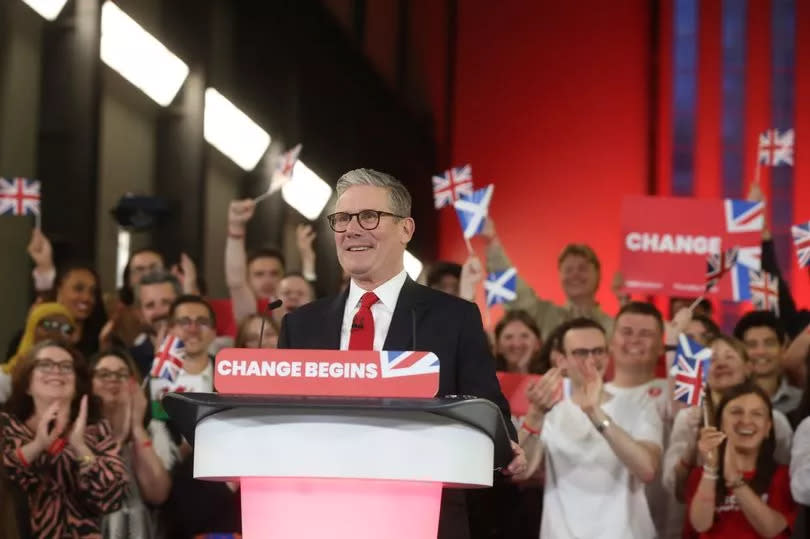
(398, 195)
(644, 308)
(442, 268)
(157, 277)
(576, 323)
(192, 299)
(756, 319)
(579, 249)
(266, 252)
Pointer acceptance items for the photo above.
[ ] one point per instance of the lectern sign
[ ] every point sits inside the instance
(329, 373)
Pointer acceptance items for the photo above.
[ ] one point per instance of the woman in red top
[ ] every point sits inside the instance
(69, 470)
(740, 492)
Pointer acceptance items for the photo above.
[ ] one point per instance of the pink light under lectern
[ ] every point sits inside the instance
(310, 508)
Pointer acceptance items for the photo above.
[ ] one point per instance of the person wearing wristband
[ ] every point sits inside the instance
(740, 491)
(124, 405)
(65, 462)
(730, 366)
(597, 450)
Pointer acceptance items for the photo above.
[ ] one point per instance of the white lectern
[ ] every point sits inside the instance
(360, 468)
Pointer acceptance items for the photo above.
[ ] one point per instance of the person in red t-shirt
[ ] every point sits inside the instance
(740, 492)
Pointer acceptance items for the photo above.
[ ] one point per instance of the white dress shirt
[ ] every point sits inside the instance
(382, 311)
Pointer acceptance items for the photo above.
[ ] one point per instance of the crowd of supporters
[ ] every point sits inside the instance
(87, 450)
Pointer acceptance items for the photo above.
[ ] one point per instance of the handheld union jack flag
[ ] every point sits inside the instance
(500, 286)
(169, 359)
(451, 184)
(776, 148)
(764, 291)
(19, 196)
(473, 210)
(801, 239)
(395, 364)
(288, 159)
(718, 264)
(689, 371)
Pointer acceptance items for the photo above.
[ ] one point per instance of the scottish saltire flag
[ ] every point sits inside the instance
(500, 286)
(451, 184)
(689, 371)
(168, 359)
(764, 291)
(19, 196)
(395, 364)
(472, 210)
(718, 264)
(744, 216)
(776, 148)
(801, 239)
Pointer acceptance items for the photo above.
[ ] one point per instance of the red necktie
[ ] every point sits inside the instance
(361, 336)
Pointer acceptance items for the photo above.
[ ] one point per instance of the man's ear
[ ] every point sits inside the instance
(407, 228)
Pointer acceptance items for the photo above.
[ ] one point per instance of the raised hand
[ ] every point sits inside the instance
(592, 386)
(40, 250)
(76, 437)
(44, 436)
(708, 444)
(186, 273)
(544, 393)
(139, 404)
(239, 213)
(472, 273)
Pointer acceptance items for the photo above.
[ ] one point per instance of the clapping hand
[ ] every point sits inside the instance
(544, 393)
(708, 444)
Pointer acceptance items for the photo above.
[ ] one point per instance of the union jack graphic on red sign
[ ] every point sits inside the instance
(393, 364)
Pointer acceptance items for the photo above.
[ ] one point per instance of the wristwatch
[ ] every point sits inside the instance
(602, 425)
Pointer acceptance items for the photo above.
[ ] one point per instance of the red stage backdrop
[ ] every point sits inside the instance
(551, 103)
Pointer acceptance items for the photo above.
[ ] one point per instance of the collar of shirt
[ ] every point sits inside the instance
(388, 292)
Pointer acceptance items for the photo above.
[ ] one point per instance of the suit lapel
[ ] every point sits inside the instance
(409, 308)
(333, 321)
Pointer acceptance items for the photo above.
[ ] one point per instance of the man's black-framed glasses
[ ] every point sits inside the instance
(368, 219)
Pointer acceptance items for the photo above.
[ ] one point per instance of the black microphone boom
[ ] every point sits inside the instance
(270, 307)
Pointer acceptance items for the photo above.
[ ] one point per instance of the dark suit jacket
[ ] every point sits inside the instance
(448, 326)
(443, 324)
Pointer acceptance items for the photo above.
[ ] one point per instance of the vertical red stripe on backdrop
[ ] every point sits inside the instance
(552, 106)
(757, 88)
(801, 182)
(665, 96)
(708, 129)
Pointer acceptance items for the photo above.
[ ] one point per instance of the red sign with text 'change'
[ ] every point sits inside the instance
(327, 373)
(666, 242)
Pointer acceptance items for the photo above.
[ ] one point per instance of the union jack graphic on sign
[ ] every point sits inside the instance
(394, 364)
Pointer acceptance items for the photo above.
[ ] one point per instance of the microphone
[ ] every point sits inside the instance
(270, 307)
